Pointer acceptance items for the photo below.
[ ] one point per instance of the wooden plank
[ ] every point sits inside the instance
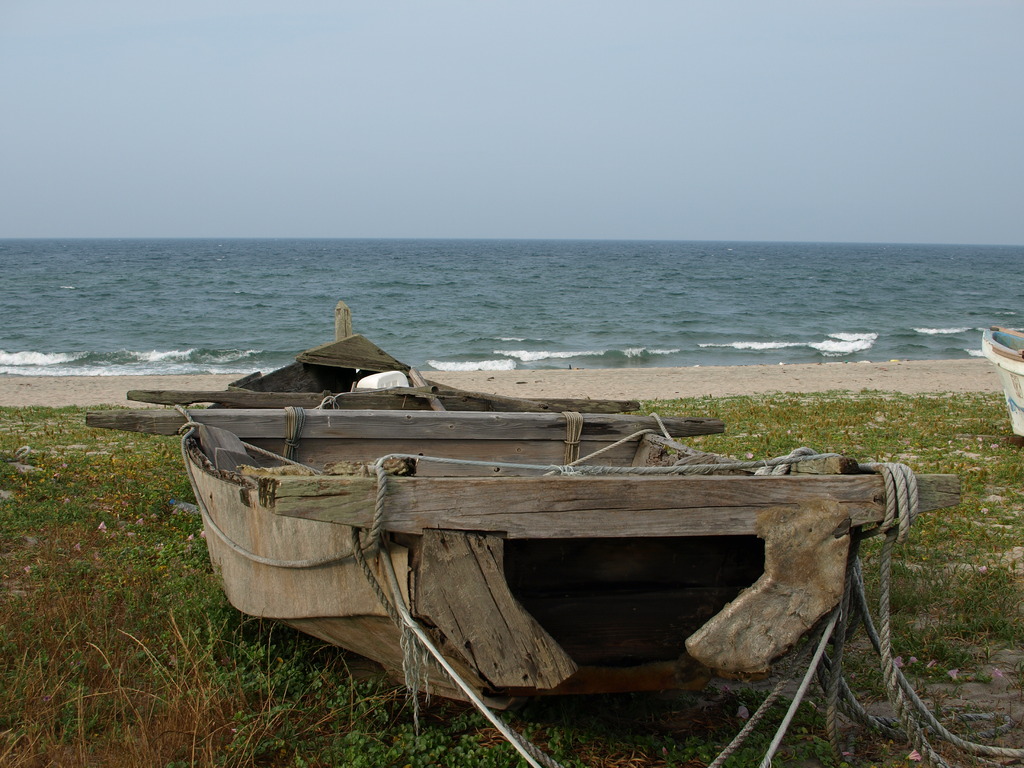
(832, 465)
(236, 398)
(451, 425)
(464, 400)
(395, 398)
(589, 507)
(212, 438)
(461, 589)
(803, 579)
(418, 381)
(342, 321)
(624, 626)
(354, 351)
(320, 451)
(299, 377)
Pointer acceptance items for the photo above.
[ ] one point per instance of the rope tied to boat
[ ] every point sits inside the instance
(573, 432)
(294, 420)
(917, 722)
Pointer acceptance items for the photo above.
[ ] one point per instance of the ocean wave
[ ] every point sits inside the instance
(481, 365)
(16, 359)
(756, 345)
(835, 345)
(155, 356)
(854, 336)
(644, 352)
(134, 362)
(627, 353)
(940, 331)
(528, 356)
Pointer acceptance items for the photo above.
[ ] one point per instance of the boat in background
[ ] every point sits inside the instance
(1005, 350)
(354, 373)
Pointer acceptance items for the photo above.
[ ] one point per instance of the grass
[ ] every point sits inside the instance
(118, 648)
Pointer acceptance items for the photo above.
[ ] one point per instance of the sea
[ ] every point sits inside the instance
(234, 306)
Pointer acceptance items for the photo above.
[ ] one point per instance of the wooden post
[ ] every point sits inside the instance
(418, 381)
(342, 321)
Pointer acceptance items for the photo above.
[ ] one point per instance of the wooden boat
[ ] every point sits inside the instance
(330, 372)
(612, 575)
(1005, 350)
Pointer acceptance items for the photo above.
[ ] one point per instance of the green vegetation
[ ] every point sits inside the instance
(118, 648)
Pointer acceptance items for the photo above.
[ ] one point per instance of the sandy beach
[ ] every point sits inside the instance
(906, 376)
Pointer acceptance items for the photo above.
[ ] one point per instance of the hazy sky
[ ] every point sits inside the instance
(838, 120)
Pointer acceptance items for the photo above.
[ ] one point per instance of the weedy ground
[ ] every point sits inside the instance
(117, 646)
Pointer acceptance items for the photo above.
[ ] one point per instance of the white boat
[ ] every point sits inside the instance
(1005, 349)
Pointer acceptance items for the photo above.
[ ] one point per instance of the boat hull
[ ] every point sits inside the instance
(1003, 348)
(530, 578)
(595, 597)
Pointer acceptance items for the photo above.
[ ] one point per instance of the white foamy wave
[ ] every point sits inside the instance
(854, 336)
(157, 356)
(482, 365)
(126, 362)
(528, 356)
(512, 338)
(836, 344)
(845, 343)
(974, 352)
(757, 345)
(15, 359)
(940, 331)
(641, 351)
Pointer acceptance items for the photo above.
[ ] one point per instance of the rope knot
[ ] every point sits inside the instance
(295, 419)
(573, 432)
(901, 498)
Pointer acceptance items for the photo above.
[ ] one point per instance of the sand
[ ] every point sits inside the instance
(906, 376)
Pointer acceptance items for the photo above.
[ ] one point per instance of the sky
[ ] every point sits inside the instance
(824, 120)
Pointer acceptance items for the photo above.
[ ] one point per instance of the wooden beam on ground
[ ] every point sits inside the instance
(587, 507)
(407, 425)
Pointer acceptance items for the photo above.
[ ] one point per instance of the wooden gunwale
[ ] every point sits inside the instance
(607, 506)
(1003, 350)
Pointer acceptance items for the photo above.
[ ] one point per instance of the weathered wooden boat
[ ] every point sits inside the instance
(1005, 350)
(533, 571)
(329, 374)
